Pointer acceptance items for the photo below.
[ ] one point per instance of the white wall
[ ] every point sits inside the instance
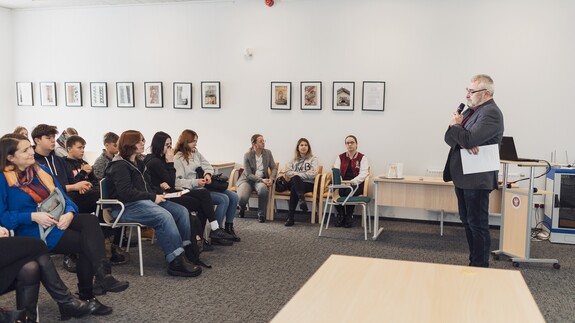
(7, 87)
(426, 51)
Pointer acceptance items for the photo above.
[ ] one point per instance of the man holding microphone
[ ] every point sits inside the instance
(481, 124)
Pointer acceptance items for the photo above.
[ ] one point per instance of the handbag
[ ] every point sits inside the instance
(54, 204)
(219, 182)
(282, 184)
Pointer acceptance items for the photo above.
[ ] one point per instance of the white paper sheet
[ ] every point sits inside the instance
(486, 160)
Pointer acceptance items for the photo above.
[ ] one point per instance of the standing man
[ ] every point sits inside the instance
(481, 124)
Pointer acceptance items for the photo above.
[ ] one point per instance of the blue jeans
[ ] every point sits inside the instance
(245, 190)
(170, 220)
(226, 204)
(474, 214)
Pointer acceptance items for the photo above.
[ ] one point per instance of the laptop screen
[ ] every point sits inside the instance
(507, 149)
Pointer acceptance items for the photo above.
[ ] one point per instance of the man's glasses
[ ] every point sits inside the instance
(469, 91)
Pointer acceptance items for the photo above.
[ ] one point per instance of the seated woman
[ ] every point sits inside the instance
(255, 176)
(301, 173)
(354, 167)
(21, 130)
(25, 263)
(128, 182)
(160, 166)
(23, 185)
(186, 161)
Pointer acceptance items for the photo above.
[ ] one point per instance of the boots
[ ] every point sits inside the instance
(340, 219)
(290, 220)
(178, 267)
(105, 282)
(89, 298)
(68, 305)
(27, 300)
(192, 254)
(119, 256)
(230, 230)
(348, 221)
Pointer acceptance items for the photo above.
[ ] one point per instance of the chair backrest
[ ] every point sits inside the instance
(336, 176)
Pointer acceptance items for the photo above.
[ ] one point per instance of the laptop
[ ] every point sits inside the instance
(507, 151)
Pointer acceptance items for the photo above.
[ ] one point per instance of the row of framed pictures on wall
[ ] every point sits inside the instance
(153, 94)
(343, 96)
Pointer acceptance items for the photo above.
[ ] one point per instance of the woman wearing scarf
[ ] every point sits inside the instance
(23, 186)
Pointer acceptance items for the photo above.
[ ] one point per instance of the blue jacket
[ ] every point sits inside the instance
(16, 208)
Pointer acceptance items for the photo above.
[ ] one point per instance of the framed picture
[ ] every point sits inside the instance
(125, 94)
(154, 94)
(98, 94)
(373, 96)
(182, 95)
(24, 93)
(310, 95)
(73, 92)
(48, 94)
(281, 96)
(343, 96)
(211, 95)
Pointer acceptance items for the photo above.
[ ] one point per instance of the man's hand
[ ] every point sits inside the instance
(160, 199)
(456, 118)
(83, 186)
(87, 168)
(474, 150)
(165, 186)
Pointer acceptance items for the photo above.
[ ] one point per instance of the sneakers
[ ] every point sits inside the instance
(70, 262)
(303, 205)
(221, 242)
(220, 234)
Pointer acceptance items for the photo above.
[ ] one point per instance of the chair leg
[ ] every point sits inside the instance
(364, 213)
(313, 210)
(122, 237)
(323, 218)
(140, 251)
(129, 240)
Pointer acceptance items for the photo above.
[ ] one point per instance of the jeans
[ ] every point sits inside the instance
(474, 214)
(226, 203)
(170, 220)
(245, 190)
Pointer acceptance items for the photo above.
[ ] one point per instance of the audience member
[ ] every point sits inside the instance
(21, 130)
(255, 176)
(187, 160)
(109, 151)
(60, 150)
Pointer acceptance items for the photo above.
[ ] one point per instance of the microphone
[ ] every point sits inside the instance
(460, 108)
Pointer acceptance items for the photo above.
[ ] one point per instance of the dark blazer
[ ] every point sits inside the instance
(484, 127)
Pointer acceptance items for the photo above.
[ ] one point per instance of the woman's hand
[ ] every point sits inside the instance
(65, 220)
(165, 186)
(4, 233)
(170, 155)
(208, 178)
(44, 219)
(160, 199)
(201, 182)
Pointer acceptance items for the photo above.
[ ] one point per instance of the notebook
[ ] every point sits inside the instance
(507, 151)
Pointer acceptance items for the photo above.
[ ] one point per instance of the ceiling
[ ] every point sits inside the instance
(26, 4)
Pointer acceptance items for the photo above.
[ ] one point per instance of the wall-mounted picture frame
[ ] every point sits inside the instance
(73, 91)
(154, 94)
(24, 94)
(343, 97)
(182, 95)
(373, 96)
(99, 94)
(211, 98)
(310, 94)
(48, 94)
(125, 94)
(280, 96)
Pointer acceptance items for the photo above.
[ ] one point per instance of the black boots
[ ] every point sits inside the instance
(230, 230)
(302, 204)
(105, 282)
(27, 299)
(119, 256)
(88, 297)
(289, 221)
(68, 305)
(178, 267)
(69, 262)
(192, 254)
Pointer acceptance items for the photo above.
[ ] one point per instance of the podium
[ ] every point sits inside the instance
(517, 217)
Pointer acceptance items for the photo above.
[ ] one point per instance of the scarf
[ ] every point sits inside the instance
(24, 180)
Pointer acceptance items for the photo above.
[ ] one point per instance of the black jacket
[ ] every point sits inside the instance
(79, 174)
(160, 171)
(128, 182)
(58, 167)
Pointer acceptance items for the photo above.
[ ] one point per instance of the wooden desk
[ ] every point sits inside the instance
(357, 289)
(422, 192)
(515, 230)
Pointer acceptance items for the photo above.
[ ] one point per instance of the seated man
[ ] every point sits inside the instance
(109, 151)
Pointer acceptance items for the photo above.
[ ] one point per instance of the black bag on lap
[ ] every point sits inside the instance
(219, 182)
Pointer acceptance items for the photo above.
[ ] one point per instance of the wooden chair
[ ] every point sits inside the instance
(333, 198)
(235, 175)
(309, 196)
(105, 204)
(324, 187)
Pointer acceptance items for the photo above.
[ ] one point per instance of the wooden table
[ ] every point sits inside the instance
(357, 289)
(422, 192)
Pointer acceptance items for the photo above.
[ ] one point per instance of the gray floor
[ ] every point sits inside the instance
(253, 279)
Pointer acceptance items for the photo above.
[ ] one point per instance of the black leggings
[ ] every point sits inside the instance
(348, 210)
(298, 188)
(84, 237)
(199, 200)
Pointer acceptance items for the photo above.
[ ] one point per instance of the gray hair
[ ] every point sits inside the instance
(485, 82)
